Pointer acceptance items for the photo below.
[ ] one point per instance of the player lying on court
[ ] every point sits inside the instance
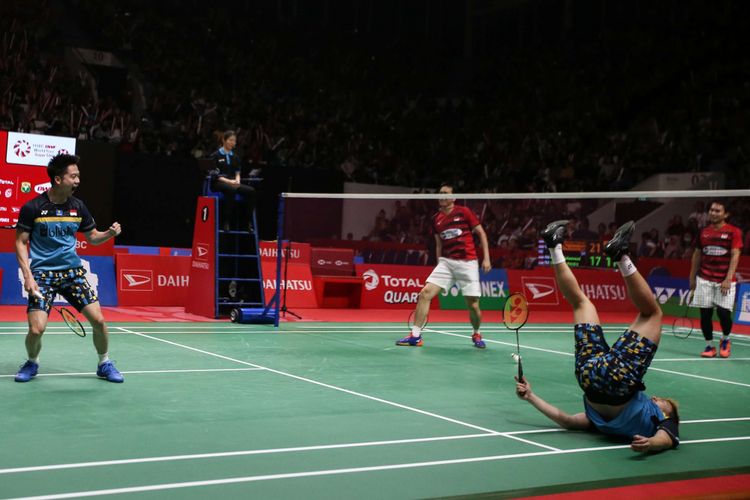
(612, 377)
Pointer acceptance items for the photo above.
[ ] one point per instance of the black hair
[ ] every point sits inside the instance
(447, 185)
(59, 164)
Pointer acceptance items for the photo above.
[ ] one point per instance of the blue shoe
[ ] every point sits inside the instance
(107, 370)
(410, 340)
(478, 342)
(27, 371)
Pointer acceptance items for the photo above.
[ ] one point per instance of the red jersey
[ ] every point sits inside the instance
(716, 251)
(454, 230)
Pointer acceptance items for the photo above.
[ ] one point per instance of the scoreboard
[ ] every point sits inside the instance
(578, 253)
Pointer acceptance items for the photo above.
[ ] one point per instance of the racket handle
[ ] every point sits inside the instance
(38, 294)
(520, 370)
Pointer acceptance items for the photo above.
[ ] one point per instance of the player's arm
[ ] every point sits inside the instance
(579, 421)
(22, 256)
(95, 237)
(658, 442)
(695, 263)
(479, 231)
(735, 259)
(438, 247)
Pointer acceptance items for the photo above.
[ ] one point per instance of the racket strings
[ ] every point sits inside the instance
(72, 322)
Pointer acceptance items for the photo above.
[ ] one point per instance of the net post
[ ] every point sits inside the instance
(279, 248)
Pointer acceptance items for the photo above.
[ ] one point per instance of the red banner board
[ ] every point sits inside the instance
(332, 261)
(299, 253)
(201, 297)
(152, 280)
(392, 287)
(605, 288)
(298, 284)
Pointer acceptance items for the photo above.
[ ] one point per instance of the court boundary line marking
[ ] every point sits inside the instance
(341, 389)
(142, 372)
(293, 449)
(350, 470)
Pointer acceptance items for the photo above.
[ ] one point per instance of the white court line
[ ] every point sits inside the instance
(269, 451)
(351, 470)
(139, 372)
(341, 389)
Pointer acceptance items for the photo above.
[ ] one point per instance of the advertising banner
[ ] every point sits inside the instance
(152, 280)
(332, 261)
(742, 309)
(494, 288)
(672, 295)
(392, 287)
(299, 253)
(297, 284)
(100, 273)
(605, 288)
(201, 298)
(36, 150)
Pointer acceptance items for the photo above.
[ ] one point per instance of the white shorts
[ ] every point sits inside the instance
(465, 273)
(708, 294)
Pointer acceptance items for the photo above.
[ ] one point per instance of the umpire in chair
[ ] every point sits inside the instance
(239, 199)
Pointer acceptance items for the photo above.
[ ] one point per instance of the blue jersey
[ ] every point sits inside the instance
(640, 416)
(52, 228)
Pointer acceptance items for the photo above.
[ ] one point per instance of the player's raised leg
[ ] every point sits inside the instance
(583, 310)
(428, 292)
(649, 319)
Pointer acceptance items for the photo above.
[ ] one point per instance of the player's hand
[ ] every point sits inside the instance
(31, 286)
(725, 286)
(486, 265)
(115, 229)
(640, 444)
(523, 388)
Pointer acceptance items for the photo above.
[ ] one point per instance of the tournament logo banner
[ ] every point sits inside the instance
(36, 150)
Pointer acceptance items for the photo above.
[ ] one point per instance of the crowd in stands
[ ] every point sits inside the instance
(586, 116)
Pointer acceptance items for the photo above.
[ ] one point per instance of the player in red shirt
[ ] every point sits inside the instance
(454, 227)
(712, 281)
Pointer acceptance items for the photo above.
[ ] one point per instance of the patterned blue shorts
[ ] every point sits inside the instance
(70, 283)
(609, 373)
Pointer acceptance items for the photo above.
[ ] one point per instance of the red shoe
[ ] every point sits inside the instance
(709, 352)
(725, 348)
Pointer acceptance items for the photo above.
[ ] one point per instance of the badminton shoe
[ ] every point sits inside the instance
(709, 352)
(478, 342)
(27, 371)
(108, 371)
(554, 233)
(619, 245)
(725, 347)
(410, 340)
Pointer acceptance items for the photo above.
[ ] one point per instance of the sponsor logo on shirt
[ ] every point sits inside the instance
(449, 234)
(58, 213)
(714, 250)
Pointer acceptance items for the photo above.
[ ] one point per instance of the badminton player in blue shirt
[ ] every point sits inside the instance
(47, 226)
(612, 377)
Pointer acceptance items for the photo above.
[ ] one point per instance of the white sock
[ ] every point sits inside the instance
(710, 343)
(626, 266)
(476, 332)
(103, 358)
(557, 254)
(416, 331)
(34, 360)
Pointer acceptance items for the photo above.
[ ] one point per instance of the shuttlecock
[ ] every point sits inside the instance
(515, 357)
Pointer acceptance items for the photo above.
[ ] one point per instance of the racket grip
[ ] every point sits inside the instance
(520, 371)
(38, 294)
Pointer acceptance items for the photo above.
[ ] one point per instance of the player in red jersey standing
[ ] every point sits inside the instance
(712, 280)
(454, 227)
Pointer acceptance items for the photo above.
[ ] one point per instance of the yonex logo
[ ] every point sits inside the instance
(371, 279)
(22, 148)
(137, 280)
